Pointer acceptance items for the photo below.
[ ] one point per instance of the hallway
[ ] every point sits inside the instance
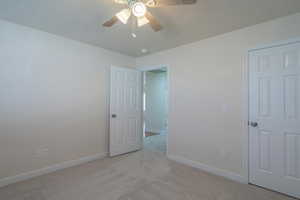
(156, 143)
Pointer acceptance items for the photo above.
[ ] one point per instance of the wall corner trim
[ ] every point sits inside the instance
(216, 171)
(56, 167)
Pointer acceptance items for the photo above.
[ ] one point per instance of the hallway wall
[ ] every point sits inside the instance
(156, 101)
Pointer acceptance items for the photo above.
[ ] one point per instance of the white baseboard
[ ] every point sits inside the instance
(209, 169)
(47, 170)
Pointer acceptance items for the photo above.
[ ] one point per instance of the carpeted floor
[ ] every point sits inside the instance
(143, 175)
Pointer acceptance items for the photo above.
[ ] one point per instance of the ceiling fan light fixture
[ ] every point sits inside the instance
(141, 21)
(124, 15)
(139, 9)
(133, 35)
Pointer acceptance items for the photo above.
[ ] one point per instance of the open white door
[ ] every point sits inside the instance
(125, 111)
(274, 135)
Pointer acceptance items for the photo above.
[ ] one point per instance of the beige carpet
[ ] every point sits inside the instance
(143, 175)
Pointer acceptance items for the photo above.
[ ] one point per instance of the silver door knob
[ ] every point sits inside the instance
(113, 115)
(253, 124)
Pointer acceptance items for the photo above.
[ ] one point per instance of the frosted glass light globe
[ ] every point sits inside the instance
(139, 9)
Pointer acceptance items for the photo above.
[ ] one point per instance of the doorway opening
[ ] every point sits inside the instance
(155, 109)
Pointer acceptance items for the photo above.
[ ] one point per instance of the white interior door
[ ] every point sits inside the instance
(125, 111)
(275, 107)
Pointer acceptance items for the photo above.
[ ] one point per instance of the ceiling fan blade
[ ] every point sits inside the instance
(141, 21)
(121, 1)
(111, 22)
(155, 25)
(161, 3)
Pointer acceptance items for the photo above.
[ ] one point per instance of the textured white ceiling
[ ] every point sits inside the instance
(81, 20)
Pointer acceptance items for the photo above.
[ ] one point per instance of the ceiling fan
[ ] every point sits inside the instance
(141, 16)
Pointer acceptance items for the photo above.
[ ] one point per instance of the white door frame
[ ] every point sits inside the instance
(154, 67)
(246, 98)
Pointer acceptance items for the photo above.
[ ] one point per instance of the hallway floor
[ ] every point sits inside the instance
(156, 143)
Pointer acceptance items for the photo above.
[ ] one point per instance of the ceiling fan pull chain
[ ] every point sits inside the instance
(133, 27)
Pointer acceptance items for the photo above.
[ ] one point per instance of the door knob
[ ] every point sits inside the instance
(113, 115)
(253, 124)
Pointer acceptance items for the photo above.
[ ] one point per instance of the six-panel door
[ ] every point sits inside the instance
(125, 111)
(274, 103)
